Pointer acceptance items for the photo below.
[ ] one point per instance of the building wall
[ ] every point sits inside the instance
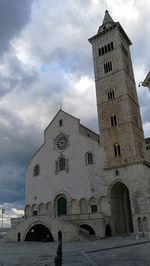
(79, 180)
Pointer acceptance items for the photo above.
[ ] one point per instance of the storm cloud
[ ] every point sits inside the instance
(13, 17)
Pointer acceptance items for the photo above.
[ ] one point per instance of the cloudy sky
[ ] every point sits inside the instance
(45, 60)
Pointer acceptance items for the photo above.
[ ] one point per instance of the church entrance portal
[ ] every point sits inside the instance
(61, 206)
(39, 232)
(121, 209)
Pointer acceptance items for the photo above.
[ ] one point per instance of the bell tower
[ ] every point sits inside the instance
(121, 132)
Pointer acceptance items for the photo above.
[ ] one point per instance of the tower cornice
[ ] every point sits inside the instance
(106, 30)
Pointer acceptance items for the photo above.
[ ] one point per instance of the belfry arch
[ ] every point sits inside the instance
(121, 209)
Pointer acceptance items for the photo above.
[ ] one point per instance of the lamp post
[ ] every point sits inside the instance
(3, 211)
(140, 84)
(146, 82)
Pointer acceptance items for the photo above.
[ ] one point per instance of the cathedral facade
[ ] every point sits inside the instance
(81, 184)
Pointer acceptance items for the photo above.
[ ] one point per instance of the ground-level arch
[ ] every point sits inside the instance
(39, 232)
(121, 209)
(88, 228)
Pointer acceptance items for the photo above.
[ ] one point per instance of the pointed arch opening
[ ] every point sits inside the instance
(121, 209)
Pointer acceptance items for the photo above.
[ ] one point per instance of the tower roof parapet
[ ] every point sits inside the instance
(107, 25)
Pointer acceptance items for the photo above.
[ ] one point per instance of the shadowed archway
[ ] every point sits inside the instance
(88, 228)
(121, 209)
(39, 232)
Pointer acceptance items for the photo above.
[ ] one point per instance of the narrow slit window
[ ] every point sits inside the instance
(99, 52)
(60, 122)
(112, 45)
(117, 150)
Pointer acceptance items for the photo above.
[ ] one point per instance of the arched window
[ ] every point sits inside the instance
(109, 47)
(60, 122)
(61, 164)
(27, 210)
(108, 67)
(117, 150)
(105, 68)
(36, 170)
(111, 95)
(99, 52)
(83, 206)
(34, 210)
(105, 48)
(113, 120)
(89, 158)
(112, 46)
(102, 50)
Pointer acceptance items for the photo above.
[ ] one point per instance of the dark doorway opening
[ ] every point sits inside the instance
(19, 237)
(88, 228)
(62, 206)
(108, 231)
(121, 209)
(39, 232)
(59, 236)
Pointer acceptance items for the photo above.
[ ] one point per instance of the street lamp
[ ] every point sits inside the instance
(140, 84)
(2, 211)
(146, 82)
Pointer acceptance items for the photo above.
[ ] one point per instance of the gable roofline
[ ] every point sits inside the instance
(90, 130)
(61, 111)
(80, 126)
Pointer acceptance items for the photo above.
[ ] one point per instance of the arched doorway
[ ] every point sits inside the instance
(19, 237)
(59, 235)
(88, 228)
(107, 230)
(121, 209)
(39, 232)
(61, 206)
(140, 224)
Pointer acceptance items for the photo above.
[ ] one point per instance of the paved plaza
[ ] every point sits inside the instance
(117, 251)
